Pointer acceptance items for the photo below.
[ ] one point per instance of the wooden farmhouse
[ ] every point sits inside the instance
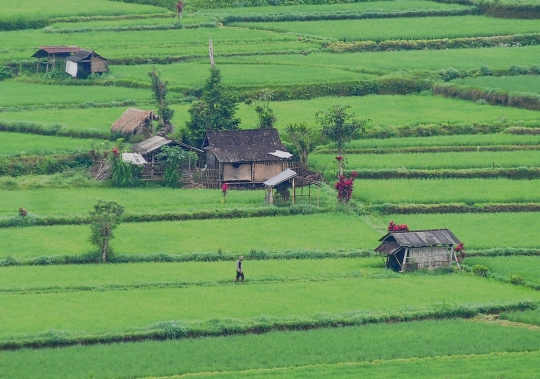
(53, 54)
(86, 62)
(421, 249)
(134, 122)
(245, 156)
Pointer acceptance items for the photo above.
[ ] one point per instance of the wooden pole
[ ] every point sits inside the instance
(404, 260)
(453, 254)
(293, 191)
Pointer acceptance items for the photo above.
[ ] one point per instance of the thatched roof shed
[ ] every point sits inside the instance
(411, 250)
(246, 155)
(86, 62)
(133, 121)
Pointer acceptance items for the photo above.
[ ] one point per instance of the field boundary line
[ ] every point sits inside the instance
(348, 364)
(430, 149)
(263, 324)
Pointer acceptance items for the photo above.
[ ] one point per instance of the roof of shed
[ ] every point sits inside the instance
(60, 50)
(130, 120)
(388, 248)
(82, 55)
(244, 145)
(150, 144)
(422, 238)
(280, 178)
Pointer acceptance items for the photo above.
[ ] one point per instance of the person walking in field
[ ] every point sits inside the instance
(239, 272)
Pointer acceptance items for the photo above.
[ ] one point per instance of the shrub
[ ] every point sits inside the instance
(480, 270)
(517, 280)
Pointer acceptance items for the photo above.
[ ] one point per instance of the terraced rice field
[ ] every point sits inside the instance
(317, 301)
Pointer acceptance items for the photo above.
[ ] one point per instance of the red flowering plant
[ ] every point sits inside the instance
(460, 251)
(345, 187)
(224, 188)
(393, 227)
(115, 152)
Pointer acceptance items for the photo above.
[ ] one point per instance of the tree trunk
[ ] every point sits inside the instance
(105, 251)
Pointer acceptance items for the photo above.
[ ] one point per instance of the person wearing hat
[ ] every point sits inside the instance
(239, 272)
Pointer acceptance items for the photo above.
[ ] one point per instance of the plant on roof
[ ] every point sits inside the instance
(393, 227)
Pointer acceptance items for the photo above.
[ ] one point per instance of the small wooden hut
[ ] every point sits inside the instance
(134, 122)
(52, 54)
(245, 156)
(412, 250)
(277, 188)
(86, 62)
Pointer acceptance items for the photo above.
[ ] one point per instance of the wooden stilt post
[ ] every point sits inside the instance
(293, 191)
(453, 254)
(404, 260)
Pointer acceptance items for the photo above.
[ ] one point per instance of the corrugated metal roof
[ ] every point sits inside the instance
(150, 144)
(60, 50)
(244, 145)
(280, 178)
(388, 248)
(423, 237)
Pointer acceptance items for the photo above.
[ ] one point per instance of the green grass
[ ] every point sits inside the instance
(194, 74)
(29, 9)
(66, 179)
(66, 201)
(527, 267)
(391, 61)
(469, 191)
(369, 6)
(410, 28)
(129, 22)
(440, 141)
(179, 42)
(180, 237)
(523, 83)
(526, 317)
(495, 365)
(190, 273)
(16, 94)
(478, 231)
(19, 143)
(83, 312)
(453, 160)
(398, 110)
(288, 350)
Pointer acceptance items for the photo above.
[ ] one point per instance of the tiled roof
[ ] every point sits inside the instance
(244, 145)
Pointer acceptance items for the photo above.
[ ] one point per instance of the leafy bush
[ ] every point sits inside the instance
(517, 280)
(42, 164)
(480, 270)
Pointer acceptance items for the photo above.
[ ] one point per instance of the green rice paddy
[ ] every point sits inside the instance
(19, 143)
(291, 351)
(181, 237)
(404, 28)
(523, 83)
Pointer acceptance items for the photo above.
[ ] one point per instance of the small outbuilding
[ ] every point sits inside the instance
(134, 122)
(420, 249)
(52, 54)
(86, 62)
(245, 156)
(150, 147)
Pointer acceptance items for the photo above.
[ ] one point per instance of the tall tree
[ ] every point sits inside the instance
(215, 111)
(103, 220)
(159, 91)
(266, 115)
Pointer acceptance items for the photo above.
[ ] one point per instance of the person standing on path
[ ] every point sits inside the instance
(239, 272)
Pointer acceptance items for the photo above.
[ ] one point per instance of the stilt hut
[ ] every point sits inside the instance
(413, 250)
(86, 62)
(245, 156)
(277, 188)
(53, 54)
